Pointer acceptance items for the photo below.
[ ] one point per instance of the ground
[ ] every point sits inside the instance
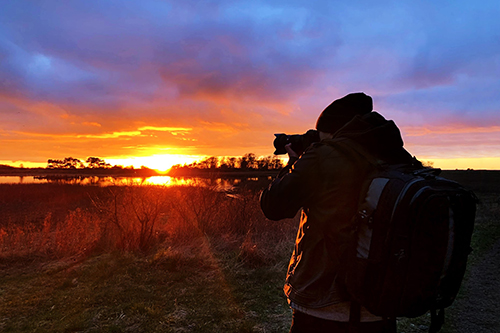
(479, 313)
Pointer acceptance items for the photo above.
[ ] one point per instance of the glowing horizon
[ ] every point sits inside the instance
(160, 163)
(163, 163)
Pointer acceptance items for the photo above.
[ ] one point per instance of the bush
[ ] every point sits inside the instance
(139, 218)
(132, 216)
(77, 235)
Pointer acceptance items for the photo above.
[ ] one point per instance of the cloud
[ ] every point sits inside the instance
(207, 55)
(228, 74)
(110, 135)
(423, 131)
(87, 123)
(165, 129)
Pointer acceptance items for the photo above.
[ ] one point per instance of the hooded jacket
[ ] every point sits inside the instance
(326, 182)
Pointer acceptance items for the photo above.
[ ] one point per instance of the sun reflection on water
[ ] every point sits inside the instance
(166, 181)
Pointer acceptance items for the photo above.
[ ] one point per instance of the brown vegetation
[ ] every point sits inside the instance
(139, 258)
(48, 220)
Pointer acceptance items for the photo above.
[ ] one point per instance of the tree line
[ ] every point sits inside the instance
(247, 162)
(74, 163)
(89, 163)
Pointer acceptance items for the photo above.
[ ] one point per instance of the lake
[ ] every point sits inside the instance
(224, 183)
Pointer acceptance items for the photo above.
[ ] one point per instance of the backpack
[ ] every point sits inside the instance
(413, 235)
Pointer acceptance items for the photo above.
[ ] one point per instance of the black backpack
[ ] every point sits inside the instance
(413, 237)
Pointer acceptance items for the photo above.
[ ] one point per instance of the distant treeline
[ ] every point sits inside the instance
(96, 165)
(92, 165)
(69, 167)
(247, 163)
(74, 163)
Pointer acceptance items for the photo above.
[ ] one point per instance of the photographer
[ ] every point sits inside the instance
(325, 181)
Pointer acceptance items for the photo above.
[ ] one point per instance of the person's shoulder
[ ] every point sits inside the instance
(316, 148)
(327, 144)
(324, 148)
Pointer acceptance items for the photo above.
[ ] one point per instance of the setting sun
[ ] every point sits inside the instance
(157, 162)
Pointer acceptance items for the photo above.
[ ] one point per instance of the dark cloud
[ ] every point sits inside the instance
(200, 49)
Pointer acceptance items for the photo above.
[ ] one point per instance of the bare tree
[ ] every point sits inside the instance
(97, 163)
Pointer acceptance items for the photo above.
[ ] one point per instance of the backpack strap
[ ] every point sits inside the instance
(437, 320)
(351, 147)
(354, 316)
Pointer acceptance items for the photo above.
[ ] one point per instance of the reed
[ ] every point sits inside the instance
(136, 218)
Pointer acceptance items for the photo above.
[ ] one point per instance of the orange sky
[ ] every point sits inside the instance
(160, 147)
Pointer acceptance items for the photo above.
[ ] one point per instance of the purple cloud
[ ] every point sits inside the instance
(247, 64)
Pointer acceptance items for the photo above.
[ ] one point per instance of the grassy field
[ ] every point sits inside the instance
(139, 259)
(154, 259)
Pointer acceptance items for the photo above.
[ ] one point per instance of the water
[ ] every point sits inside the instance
(222, 183)
(92, 180)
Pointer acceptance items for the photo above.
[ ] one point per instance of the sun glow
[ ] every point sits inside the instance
(478, 163)
(157, 162)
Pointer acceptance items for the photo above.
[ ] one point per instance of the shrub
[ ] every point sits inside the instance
(77, 235)
(138, 218)
(132, 216)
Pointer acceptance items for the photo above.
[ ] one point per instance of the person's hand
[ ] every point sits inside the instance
(291, 153)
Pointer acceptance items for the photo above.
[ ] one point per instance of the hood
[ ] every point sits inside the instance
(379, 136)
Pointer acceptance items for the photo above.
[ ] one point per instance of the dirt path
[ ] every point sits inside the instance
(480, 311)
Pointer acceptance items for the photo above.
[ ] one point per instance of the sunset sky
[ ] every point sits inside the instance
(159, 82)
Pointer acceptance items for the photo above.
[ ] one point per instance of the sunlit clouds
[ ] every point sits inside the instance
(151, 81)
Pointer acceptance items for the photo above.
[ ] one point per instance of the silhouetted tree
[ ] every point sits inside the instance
(276, 163)
(54, 164)
(248, 161)
(232, 162)
(67, 163)
(212, 162)
(97, 163)
(264, 163)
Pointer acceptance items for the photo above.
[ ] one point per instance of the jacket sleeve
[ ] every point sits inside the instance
(292, 189)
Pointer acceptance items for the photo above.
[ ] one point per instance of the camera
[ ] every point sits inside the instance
(299, 141)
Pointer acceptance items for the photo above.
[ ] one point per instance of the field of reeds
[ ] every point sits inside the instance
(167, 259)
(139, 258)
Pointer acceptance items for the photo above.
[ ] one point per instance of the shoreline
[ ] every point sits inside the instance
(131, 173)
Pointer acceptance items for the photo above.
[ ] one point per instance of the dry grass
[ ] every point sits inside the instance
(138, 219)
(142, 259)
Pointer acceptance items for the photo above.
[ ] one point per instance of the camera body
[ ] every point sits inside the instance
(299, 141)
